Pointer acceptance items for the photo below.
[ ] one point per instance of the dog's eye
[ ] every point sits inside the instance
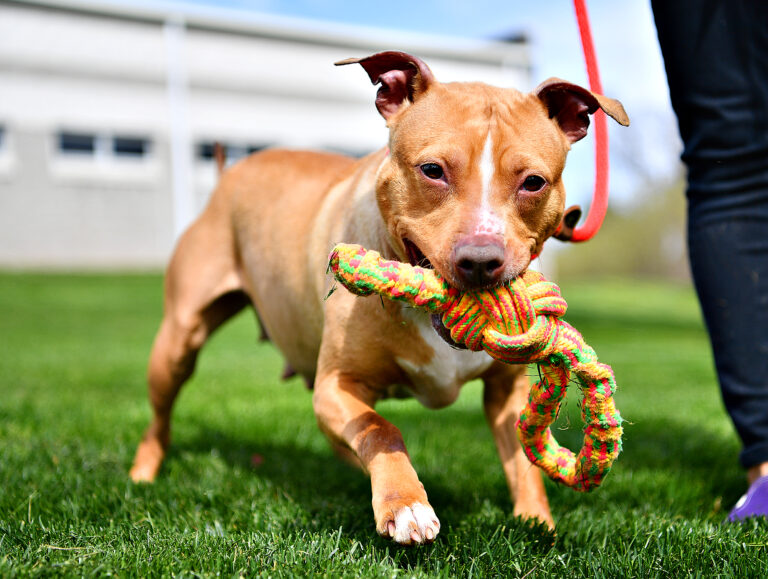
(432, 171)
(534, 183)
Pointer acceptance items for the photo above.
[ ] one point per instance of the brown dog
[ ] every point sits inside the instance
(470, 185)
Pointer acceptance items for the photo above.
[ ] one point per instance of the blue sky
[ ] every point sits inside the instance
(625, 37)
(623, 31)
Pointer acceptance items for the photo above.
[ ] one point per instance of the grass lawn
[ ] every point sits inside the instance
(250, 486)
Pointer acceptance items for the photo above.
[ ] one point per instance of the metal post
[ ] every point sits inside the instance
(178, 121)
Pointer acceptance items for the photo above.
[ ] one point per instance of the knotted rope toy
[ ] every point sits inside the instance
(518, 323)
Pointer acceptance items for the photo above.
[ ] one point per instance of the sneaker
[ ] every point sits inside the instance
(754, 503)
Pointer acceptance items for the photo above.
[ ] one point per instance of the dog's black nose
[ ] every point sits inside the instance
(478, 266)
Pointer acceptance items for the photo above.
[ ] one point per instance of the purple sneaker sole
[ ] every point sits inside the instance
(752, 504)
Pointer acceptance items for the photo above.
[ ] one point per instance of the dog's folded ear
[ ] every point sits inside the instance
(571, 106)
(403, 78)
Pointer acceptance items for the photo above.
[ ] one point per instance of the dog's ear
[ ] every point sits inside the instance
(571, 106)
(403, 78)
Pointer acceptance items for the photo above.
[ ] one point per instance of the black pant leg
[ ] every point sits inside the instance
(716, 57)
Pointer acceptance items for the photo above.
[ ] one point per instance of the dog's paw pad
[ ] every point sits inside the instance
(413, 525)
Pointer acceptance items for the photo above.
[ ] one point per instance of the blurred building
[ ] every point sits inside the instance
(109, 112)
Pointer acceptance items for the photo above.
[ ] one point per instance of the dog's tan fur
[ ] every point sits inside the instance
(265, 236)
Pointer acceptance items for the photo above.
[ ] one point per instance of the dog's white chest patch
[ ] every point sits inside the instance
(437, 383)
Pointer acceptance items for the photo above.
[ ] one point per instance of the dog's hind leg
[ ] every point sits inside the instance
(203, 290)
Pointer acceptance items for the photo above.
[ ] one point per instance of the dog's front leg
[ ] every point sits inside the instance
(344, 410)
(505, 395)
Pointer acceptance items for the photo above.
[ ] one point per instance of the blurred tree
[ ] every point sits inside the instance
(644, 240)
(644, 231)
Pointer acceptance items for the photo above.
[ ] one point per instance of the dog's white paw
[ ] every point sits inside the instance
(413, 525)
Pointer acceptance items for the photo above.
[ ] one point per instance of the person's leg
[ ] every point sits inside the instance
(728, 244)
(715, 56)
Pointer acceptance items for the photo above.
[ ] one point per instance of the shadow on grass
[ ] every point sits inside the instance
(670, 466)
(659, 457)
(325, 486)
(628, 320)
(338, 495)
(687, 448)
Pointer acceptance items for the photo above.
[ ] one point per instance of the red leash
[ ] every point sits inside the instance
(600, 195)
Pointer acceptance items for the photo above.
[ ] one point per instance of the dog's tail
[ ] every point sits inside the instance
(220, 155)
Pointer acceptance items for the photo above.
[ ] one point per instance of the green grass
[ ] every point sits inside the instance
(250, 486)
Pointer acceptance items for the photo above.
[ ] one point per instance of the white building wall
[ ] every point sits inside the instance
(90, 67)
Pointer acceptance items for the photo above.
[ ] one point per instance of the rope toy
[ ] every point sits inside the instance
(518, 323)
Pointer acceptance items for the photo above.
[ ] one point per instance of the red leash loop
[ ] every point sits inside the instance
(600, 195)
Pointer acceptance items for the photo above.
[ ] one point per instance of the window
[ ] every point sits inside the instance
(88, 155)
(77, 143)
(130, 147)
(235, 152)
(205, 150)
(102, 146)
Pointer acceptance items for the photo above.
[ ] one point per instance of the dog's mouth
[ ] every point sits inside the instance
(417, 257)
